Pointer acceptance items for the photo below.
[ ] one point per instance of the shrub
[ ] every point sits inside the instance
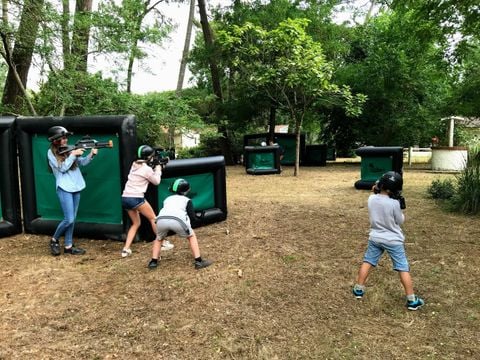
(442, 189)
(467, 196)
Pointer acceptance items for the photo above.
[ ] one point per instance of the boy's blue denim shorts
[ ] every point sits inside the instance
(130, 203)
(396, 252)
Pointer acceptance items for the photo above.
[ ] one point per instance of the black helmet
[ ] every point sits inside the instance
(180, 186)
(144, 152)
(57, 132)
(392, 181)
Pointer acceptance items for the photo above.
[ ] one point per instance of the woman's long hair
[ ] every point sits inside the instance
(60, 157)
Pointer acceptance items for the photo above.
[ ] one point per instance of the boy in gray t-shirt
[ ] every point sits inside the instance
(386, 216)
(176, 216)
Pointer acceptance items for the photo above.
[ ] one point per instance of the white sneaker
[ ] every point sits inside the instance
(167, 245)
(126, 252)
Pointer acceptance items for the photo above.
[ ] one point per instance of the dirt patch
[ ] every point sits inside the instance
(280, 287)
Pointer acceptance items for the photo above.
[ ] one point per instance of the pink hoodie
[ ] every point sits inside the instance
(138, 179)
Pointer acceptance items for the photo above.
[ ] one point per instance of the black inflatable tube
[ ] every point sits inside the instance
(379, 151)
(11, 223)
(263, 171)
(364, 184)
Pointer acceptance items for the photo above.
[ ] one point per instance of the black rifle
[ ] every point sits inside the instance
(158, 158)
(85, 143)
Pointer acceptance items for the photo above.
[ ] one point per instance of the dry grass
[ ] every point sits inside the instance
(285, 261)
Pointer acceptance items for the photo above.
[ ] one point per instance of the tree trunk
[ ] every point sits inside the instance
(186, 48)
(66, 43)
(271, 123)
(208, 37)
(81, 34)
(216, 85)
(20, 59)
(131, 59)
(298, 127)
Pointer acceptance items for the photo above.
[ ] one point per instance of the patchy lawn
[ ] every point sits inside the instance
(280, 287)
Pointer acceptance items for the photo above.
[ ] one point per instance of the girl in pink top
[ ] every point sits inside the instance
(133, 196)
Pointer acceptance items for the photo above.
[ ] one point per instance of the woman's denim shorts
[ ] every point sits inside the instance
(396, 253)
(130, 203)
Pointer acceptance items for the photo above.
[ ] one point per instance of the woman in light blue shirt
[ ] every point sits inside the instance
(69, 183)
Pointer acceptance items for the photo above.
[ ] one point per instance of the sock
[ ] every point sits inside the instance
(54, 240)
(198, 259)
(411, 297)
(154, 261)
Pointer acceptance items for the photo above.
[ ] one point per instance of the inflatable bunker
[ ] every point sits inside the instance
(287, 143)
(100, 215)
(207, 178)
(315, 155)
(10, 214)
(375, 162)
(262, 160)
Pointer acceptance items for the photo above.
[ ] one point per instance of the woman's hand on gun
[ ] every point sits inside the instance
(78, 152)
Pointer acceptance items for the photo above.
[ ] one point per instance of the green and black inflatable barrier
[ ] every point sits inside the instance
(10, 213)
(286, 141)
(100, 215)
(315, 155)
(376, 161)
(262, 160)
(331, 153)
(207, 178)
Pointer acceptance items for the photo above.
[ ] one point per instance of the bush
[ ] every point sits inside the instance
(442, 189)
(209, 146)
(467, 196)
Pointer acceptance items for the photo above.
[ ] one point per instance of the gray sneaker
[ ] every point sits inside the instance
(74, 251)
(202, 264)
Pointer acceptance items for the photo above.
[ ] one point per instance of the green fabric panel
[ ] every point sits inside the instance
(374, 167)
(202, 190)
(1, 215)
(261, 160)
(100, 200)
(289, 148)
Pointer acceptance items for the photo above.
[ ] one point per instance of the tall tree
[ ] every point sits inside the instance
(288, 66)
(81, 34)
(216, 82)
(19, 58)
(186, 47)
(124, 28)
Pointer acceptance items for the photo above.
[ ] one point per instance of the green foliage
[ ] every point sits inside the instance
(156, 113)
(159, 112)
(71, 93)
(399, 64)
(286, 64)
(467, 197)
(209, 146)
(119, 27)
(465, 99)
(442, 189)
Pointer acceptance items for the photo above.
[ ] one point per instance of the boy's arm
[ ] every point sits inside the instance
(194, 219)
(398, 214)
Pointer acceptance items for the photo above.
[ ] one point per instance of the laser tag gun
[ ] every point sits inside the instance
(85, 143)
(158, 158)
